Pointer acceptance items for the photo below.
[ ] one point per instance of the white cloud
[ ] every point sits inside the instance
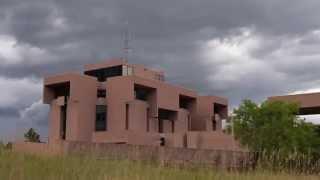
(247, 59)
(19, 92)
(36, 113)
(13, 52)
(8, 50)
(233, 59)
(298, 53)
(312, 90)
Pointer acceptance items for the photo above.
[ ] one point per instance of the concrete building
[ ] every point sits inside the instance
(309, 103)
(117, 102)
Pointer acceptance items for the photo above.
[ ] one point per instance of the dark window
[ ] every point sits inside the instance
(219, 108)
(63, 120)
(60, 89)
(104, 73)
(186, 102)
(160, 124)
(101, 93)
(162, 141)
(147, 117)
(214, 124)
(183, 104)
(166, 115)
(142, 92)
(189, 122)
(101, 118)
(127, 116)
(172, 126)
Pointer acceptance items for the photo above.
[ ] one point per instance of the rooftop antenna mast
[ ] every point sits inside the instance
(126, 47)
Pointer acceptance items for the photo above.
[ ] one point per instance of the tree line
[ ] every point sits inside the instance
(274, 126)
(279, 139)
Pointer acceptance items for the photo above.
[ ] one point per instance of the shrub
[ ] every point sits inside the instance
(32, 136)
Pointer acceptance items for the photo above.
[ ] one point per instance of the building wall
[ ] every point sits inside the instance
(153, 112)
(129, 120)
(212, 140)
(138, 116)
(137, 69)
(80, 107)
(181, 123)
(143, 72)
(120, 92)
(84, 103)
(304, 100)
(54, 123)
(205, 112)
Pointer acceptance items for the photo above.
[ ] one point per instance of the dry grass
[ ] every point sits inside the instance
(14, 166)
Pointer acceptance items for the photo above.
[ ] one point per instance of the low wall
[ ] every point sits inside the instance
(134, 138)
(217, 158)
(213, 140)
(185, 156)
(39, 148)
(182, 156)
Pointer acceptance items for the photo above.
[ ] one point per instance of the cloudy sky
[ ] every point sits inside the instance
(234, 48)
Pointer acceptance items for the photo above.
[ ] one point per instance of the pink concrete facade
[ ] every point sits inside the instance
(309, 103)
(116, 102)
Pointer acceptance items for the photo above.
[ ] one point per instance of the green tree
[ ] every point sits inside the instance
(274, 127)
(32, 136)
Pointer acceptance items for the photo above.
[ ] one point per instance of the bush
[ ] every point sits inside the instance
(274, 127)
(281, 140)
(32, 136)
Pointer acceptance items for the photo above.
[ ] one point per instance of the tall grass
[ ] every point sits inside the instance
(15, 166)
(293, 163)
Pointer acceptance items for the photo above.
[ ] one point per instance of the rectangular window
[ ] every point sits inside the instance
(63, 121)
(172, 124)
(125, 70)
(214, 123)
(105, 73)
(147, 118)
(189, 123)
(160, 125)
(127, 116)
(101, 118)
(130, 71)
(101, 93)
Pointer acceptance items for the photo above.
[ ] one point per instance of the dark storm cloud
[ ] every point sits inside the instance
(163, 31)
(278, 55)
(95, 27)
(9, 112)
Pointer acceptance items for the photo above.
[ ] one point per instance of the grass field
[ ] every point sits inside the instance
(14, 166)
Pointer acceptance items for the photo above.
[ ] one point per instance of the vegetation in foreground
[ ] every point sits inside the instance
(287, 147)
(274, 126)
(281, 139)
(14, 166)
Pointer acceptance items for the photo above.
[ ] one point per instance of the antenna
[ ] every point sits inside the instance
(126, 48)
